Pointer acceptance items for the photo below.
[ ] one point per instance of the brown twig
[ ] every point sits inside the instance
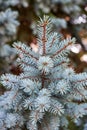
(44, 39)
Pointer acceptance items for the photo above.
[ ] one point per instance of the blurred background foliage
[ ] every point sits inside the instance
(18, 20)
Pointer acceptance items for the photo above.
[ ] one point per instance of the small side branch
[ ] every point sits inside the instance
(52, 41)
(27, 64)
(80, 81)
(61, 50)
(27, 53)
(53, 79)
(79, 93)
(59, 64)
(29, 77)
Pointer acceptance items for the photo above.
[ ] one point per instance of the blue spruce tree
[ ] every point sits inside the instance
(48, 92)
(8, 30)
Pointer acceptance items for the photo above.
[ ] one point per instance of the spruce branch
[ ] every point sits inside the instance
(48, 90)
(23, 50)
(61, 49)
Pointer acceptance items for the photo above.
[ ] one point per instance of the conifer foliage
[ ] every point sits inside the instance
(48, 92)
